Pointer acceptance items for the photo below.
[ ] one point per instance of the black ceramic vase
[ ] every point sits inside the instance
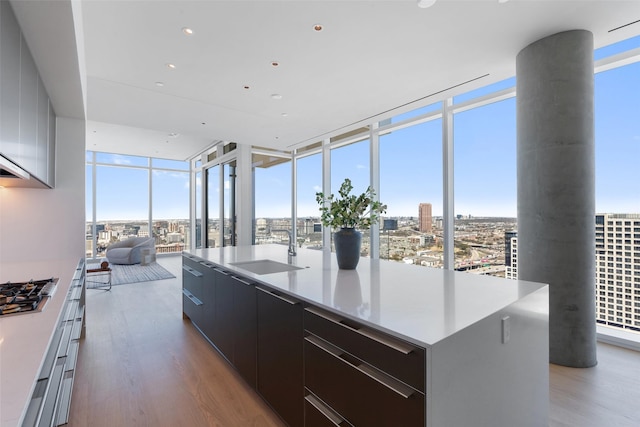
(347, 242)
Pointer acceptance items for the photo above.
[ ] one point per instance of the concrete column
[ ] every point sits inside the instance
(556, 187)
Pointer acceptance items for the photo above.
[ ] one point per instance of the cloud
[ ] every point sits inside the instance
(317, 188)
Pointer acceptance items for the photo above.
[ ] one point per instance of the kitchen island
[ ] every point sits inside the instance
(457, 348)
(25, 339)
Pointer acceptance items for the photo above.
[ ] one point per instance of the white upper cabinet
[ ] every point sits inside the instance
(27, 119)
(9, 84)
(28, 109)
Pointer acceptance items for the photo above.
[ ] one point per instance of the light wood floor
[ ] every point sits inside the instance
(141, 364)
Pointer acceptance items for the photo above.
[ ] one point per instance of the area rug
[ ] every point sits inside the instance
(123, 274)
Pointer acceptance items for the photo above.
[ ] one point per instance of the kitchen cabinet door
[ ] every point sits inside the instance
(9, 84)
(42, 133)
(245, 325)
(209, 300)
(51, 146)
(28, 108)
(224, 327)
(280, 362)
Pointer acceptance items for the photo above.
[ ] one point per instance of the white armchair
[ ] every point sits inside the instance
(130, 251)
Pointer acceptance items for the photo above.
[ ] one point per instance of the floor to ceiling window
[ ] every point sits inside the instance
(120, 203)
(411, 176)
(170, 205)
(351, 160)
(309, 183)
(617, 148)
(214, 226)
(484, 185)
(272, 197)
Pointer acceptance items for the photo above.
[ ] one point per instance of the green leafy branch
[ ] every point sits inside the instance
(348, 210)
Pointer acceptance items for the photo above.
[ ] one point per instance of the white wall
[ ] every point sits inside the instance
(38, 224)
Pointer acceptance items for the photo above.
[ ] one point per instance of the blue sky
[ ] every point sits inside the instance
(411, 163)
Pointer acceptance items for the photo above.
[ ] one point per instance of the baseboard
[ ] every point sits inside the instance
(618, 338)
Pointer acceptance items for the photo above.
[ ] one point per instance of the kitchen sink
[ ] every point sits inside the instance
(265, 266)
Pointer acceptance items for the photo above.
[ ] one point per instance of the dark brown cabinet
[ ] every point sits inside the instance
(314, 367)
(280, 362)
(363, 376)
(245, 325)
(223, 329)
(208, 321)
(192, 305)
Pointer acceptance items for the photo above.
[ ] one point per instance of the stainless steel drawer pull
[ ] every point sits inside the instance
(192, 297)
(380, 377)
(389, 382)
(219, 270)
(280, 297)
(335, 419)
(191, 271)
(241, 281)
(379, 338)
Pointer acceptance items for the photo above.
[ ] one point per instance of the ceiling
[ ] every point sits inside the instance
(106, 61)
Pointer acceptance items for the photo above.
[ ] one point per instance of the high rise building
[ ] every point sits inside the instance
(617, 278)
(618, 270)
(424, 218)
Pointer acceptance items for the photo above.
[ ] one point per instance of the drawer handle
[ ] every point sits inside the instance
(241, 281)
(389, 382)
(221, 271)
(191, 271)
(288, 301)
(207, 264)
(397, 346)
(335, 419)
(192, 297)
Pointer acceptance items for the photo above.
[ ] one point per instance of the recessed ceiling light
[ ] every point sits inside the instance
(171, 66)
(284, 114)
(159, 84)
(426, 3)
(276, 96)
(187, 31)
(318, 27)
(173, 135)
(246, 86)
(275, 63)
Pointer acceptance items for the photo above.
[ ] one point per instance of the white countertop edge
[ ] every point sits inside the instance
(323, 267)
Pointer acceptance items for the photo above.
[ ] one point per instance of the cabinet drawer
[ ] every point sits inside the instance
(317, 414)
(191, 261)
(358, 392)
(192, 307)
(400, 359)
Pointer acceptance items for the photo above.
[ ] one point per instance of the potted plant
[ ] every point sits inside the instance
(345, 214)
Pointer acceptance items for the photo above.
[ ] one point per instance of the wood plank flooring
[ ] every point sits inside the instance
(141, 364)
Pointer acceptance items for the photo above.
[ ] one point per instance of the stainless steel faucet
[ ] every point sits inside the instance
(292, 245)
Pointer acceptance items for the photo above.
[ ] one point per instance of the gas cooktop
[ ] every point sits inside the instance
(25, 297)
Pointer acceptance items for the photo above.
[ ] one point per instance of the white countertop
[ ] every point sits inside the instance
(24, 338)
(420, 304)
